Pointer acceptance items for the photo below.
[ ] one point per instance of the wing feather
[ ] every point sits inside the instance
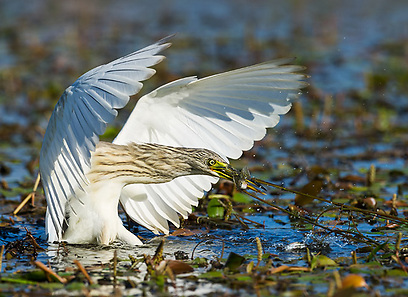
(146, 215)
(80, 115)
(225, 112)
(162, 208)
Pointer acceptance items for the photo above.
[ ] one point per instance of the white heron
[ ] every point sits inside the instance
(173, 147)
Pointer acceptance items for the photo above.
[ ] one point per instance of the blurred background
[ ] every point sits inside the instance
(46, 45)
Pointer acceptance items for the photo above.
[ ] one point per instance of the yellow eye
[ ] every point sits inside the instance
(211, 162)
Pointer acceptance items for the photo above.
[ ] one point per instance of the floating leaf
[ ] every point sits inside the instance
(179, 267)
(353, 179)
(75, 286)
(321, 261)
(36, 275)
(215, 209)
(312, 188)
(396, 272)
(211, 274)
(188, 232)
(243, 278)
(359, 189)
(234, 261)
(371, 268)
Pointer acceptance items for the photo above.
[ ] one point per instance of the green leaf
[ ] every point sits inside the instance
(234, 261)
(18, 281)
(371, 256)
(243, 278)
(211, 274)
(75, 286)
(321, 261)
(215, 209)
(241, 198)
(200, 262)
(396, 272)
(36, 275)
(358, 189)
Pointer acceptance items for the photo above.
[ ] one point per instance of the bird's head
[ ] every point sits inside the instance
(210, 163)
(203, 161)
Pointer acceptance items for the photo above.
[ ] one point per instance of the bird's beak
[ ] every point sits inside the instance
(241, 178)
(223, 170)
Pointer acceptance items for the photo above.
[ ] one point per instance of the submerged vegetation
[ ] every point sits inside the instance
(340, 230)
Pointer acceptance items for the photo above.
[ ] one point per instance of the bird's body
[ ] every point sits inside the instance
(174, 145)
(112, 168)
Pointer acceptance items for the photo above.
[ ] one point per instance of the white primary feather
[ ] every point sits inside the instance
(225, 113)
(81, 114)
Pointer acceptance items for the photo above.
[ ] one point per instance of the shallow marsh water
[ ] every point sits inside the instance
(354, 116)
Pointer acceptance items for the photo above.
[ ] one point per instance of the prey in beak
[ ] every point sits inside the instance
(241, 178)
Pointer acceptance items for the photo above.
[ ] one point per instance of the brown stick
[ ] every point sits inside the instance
(29, 196)
(24, 202)
(33, 241)
(84, 272)
(398, 260)
(49, 271)
(1, 256)
(37, 182)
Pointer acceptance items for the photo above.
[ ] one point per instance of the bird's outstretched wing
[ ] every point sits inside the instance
(80, 115)
(225, 113)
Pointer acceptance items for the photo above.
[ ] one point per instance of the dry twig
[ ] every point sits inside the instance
(29, 196)
(84, 272)
(49, 271)
(1, 256)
